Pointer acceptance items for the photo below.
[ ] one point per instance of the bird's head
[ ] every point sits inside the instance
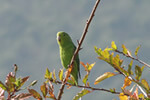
(63, 38)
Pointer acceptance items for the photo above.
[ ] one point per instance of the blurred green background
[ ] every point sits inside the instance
(28, 36)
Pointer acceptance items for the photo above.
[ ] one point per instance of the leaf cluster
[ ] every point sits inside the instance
(13, 85)
(132, 74)
(139, 87)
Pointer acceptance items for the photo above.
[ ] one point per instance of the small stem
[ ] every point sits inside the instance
(140, 61)
(88, 87)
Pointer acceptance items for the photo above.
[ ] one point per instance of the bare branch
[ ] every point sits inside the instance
(88, 87)
(79, 46)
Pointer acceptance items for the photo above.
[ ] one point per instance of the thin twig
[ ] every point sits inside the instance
(88, 87)
(140, 61)
(79, 46)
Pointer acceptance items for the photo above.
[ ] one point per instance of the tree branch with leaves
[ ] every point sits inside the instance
(111, 55)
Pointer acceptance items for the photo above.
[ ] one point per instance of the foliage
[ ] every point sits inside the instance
(13, 85)
(140, 88)
(131, 74)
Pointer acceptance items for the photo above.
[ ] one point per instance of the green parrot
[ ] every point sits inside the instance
(67, 49)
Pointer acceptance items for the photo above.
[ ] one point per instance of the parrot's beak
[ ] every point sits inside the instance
(59, 38)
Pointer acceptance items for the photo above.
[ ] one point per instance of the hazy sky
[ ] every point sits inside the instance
(28, 36)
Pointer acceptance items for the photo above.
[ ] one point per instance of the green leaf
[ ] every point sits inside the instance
(141, 96)
(108, 49)
(98, 51)
(44, 90)
(145, 83)
(113, 90)
(70, 81)
(116, 63)
(142, 68)
(90, 66)
(35, 94)
(103, 77)
(130, 68)
(111, 58)
(123, 71)
(60, 74)
(3, 86)
(48, 74)
(138, 72)
(85, 79)
(113, 45)
(20, 82)
(105, 53)
(81, 94)
(125, 50)
(137, 49)
(116, 60)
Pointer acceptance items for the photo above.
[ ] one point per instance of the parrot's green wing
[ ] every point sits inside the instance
(78, 63)
(76, 68)
(67, 49)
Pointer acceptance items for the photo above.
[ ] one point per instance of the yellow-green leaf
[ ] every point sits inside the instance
(103, 77)
(60, 74)
(142, 68)
(98, 51)
(20, 82)
(145, 83)
(125, 50)
(81, 94)
(117, 62)
(113, 45)
(85, 79)
(112, 90)
(111, 58)
(130, 68)
(91, 66)
(137, 49)
(105, 53)
(3, 86)
(48, 74)
(141, 96)
(71, 81)
(138, 72)
(108, 49)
